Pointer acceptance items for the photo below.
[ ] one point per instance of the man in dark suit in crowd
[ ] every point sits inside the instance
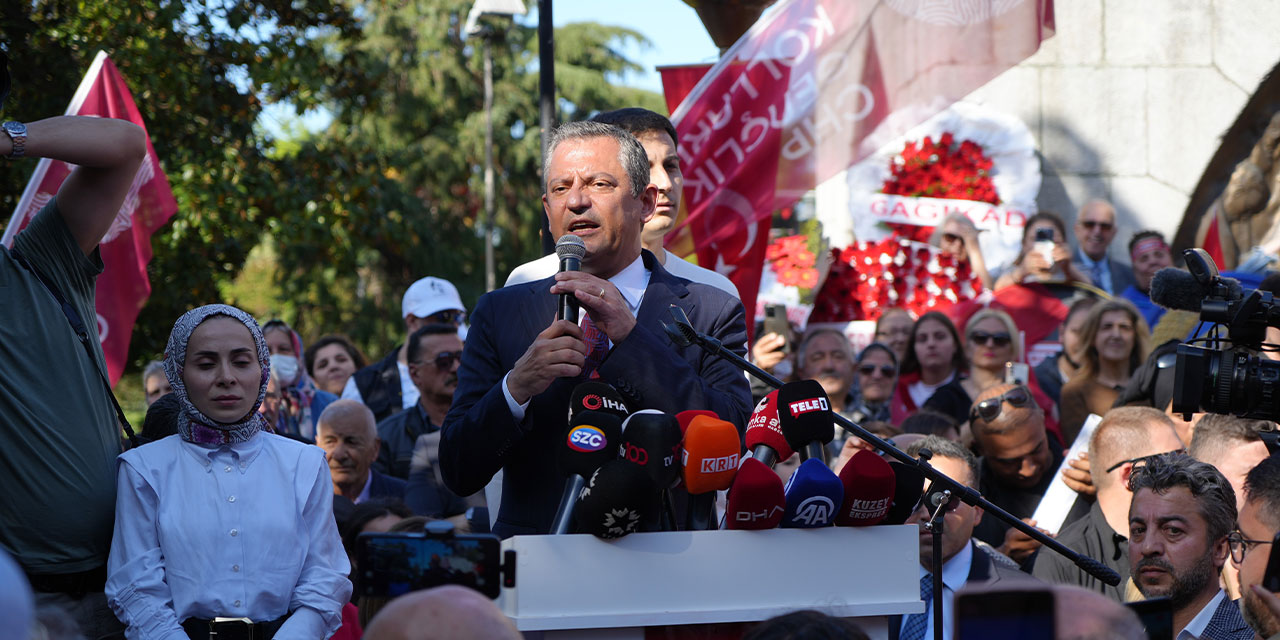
(521, 362)
(964, 561)
(1095, 229)
(349, 436)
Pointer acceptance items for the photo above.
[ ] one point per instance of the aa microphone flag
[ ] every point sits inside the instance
(123, 287)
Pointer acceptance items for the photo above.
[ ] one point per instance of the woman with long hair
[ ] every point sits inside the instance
(935, 356)
(333, 359)
(1031, 265)
(1113, 344)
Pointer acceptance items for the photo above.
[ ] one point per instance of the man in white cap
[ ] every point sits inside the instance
(385, 386)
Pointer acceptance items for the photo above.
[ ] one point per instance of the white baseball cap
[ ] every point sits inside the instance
(430, 296)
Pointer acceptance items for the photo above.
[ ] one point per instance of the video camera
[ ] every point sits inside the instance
(1227, 376)
(393, 564)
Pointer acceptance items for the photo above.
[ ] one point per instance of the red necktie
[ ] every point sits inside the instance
(597, 348)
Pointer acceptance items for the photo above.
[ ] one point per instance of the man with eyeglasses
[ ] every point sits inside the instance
(1251, 544)
(1179, 521)
(1017, 465)
(1125, 440)
(1095, 228)
(385, 386)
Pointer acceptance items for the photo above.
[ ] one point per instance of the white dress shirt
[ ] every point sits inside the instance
(955, 572)
(1195, 629)
(243, 530)
(631, 283)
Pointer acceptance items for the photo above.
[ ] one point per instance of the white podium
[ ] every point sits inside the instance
(579, 586)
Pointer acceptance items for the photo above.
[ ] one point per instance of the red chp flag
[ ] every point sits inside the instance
(814, 87)
(123, 287)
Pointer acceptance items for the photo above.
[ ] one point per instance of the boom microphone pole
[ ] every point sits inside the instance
(682, 332)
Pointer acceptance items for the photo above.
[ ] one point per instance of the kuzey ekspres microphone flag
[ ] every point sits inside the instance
(814, 87)
(123, 287)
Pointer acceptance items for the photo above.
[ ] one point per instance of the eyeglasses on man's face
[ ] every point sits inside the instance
(1240, 545)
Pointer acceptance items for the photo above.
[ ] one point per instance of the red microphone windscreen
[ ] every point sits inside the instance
(868, 490)
(765, 428)
(710, 454)
(756, 499)
(685, 417)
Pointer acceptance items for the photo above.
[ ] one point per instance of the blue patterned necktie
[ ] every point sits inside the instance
(918, 622)
(1096, 274)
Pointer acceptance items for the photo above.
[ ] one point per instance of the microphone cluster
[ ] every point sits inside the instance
(622, 467)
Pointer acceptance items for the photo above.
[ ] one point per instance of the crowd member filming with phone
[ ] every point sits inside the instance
(1045, 255)
(1179, 523)
(224, 520)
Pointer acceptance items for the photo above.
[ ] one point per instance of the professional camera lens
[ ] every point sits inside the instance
(1231, 381)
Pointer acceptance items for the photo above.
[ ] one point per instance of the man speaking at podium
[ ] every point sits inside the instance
(521, 362)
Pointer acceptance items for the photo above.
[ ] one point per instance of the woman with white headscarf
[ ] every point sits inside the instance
(224, 520)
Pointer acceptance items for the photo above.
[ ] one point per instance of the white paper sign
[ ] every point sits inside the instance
(1057, 501)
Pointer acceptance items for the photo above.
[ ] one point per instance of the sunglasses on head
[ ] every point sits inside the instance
(1001, 339)
(990, 409)
(1092, 224)
(886, 370)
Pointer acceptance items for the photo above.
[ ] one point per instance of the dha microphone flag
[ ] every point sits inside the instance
(804, 415)
(756, 499)
(764, 433)
(908, 486)
(651, 439)
(590, 441)
(619, 498)
(813, 495)
(868, 490)
(596, 396)
(685, 417)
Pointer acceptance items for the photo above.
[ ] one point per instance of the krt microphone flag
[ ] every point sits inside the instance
(710, 457)
(813, 495)
(596, 396)
(616, 502)
(908, 486)
(590, 441)
(804, 415)
(868, 490)
(764, 433)
(756, 499)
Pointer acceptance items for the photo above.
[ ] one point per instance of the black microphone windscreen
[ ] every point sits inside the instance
(1176, 289)
(617, 500)
(596, 396)
(590, 441)
(908, 486)
(804, 414)
(651, 439)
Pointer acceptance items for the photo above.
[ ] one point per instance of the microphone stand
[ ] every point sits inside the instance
(935, 525)
(683, 334)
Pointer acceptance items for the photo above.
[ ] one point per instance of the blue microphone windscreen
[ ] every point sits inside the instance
(814, 493)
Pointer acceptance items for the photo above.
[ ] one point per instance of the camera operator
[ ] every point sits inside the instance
(58, 450)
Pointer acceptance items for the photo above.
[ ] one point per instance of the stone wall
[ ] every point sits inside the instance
(1129, 99)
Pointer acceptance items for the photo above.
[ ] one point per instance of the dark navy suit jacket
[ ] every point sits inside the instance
(384, 486)
(480, 436)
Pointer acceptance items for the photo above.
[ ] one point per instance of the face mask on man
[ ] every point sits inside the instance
(284, 368)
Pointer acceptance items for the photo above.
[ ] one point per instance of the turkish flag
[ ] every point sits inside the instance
(814, 87)
(123, 287)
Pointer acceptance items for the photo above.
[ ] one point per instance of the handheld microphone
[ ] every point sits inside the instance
(804, 416)
(588, 445)
(651, 439)
(571, 250)
(617, 501)
(908, 486)
(764, 433)
(868, 484)
(813, 494)
(710, 456)
(756, 499)
(594, 395)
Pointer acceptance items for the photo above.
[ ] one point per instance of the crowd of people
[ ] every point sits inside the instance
(261, 462)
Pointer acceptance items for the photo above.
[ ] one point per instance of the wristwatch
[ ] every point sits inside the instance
(18, 134)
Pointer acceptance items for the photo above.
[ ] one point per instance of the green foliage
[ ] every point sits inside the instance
(392, 191)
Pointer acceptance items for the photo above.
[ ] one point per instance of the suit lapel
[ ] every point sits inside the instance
(664, 290)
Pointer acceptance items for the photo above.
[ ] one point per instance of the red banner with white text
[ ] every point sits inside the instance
(123, 287)
(816, 86)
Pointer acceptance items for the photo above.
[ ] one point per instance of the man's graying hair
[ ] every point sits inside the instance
(631, 154)
(1209, 487)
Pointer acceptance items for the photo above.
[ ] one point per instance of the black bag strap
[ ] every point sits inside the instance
(78, 326)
